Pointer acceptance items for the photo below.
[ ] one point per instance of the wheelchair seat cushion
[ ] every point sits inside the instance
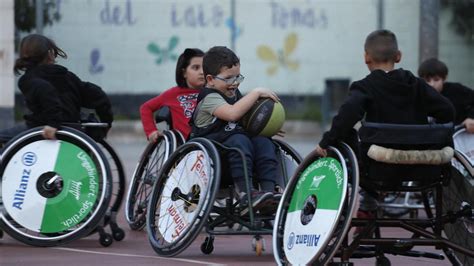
(394, 156)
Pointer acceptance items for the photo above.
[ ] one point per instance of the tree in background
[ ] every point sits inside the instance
(25, 16)
(463, 17)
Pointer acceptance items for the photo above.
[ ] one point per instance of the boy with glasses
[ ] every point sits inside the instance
(216, 117)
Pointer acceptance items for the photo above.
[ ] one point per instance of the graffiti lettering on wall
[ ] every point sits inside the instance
(280, 57)
(284, 17)
(116, 14)
(196, 16)
(95, 67)
(164, 54)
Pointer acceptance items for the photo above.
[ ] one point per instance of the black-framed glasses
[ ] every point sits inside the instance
(229, 81)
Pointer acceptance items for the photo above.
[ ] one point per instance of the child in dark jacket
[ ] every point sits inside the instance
(52, 93)
(435, 73)
(386, 95)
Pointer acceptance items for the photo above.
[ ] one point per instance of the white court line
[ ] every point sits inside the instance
(137, 256)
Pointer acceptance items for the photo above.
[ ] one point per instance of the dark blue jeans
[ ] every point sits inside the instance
(260, 156)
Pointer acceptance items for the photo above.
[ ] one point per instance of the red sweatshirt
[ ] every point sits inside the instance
(181, 102)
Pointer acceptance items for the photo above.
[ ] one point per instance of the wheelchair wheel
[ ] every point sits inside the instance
(53, 191)
(145, 174)
(458, 196)
(464, 142)
(183, 196)
(314, 214)
(289, 161)
(179, 137)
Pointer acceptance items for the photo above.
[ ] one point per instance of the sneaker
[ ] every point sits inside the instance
(259, 200)
(272, 206)
(363, 215)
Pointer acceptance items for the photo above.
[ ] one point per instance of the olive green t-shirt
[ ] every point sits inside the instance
(206, 108)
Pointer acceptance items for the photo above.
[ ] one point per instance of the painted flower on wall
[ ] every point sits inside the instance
(163, 54)
(280, 57)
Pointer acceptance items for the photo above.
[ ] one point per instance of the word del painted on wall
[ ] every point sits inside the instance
(295, 17)
(115, 13)
(196, 16)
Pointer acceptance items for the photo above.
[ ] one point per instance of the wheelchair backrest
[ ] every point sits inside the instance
(90, 125)
(163, 115)
(406, 138)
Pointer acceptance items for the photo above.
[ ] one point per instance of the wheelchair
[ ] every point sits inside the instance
(193, 190)
(315, 215)
(147, 169)
(53, 191)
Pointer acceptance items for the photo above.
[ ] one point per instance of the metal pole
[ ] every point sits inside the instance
(233, 28)
(39, 16)
(380, 14)
(7, 55)
(429, 20)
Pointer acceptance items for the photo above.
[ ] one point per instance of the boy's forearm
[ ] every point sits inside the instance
(236, 111)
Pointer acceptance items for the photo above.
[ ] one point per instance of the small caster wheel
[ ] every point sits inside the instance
(118, 234)
(382, 261)
(105, 239)
(258, 248)
(208, 245)
(258, 245)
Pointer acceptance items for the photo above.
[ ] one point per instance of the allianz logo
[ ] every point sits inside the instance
(28, 159)
(305, 240)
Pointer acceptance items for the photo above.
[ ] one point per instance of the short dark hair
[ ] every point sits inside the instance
(382, 46)
(183, 62)
(34, 50)
(432, 67)
(218, 57)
